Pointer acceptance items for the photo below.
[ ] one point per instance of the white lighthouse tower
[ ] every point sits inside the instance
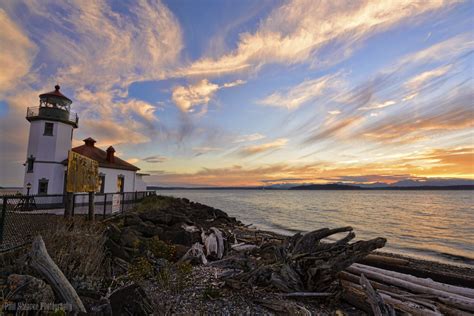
(51, 129)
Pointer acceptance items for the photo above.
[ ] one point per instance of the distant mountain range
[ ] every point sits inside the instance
(432, 184)
(335, 186)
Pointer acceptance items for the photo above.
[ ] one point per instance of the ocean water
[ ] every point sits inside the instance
(434, 225)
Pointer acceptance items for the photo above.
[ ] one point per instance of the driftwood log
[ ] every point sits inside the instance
(43, 264)
(406, 282)
(302, 263)
(408, 267)
(379, 308)
(406, 293)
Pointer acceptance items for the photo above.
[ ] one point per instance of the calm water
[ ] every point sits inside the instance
(436, 225)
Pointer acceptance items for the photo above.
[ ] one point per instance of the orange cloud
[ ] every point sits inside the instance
(258, 149)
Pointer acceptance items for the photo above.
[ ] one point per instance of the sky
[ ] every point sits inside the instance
(240, 93)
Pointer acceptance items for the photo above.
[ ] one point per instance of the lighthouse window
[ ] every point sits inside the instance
(48, 129)
(43, 186)
(30, 163)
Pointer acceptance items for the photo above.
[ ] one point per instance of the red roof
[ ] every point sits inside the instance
(54, 93)
(99, 155)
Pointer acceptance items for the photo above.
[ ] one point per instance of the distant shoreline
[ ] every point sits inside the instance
(329, 187)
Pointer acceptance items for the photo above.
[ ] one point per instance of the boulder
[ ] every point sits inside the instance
(181, 237)
(116, 250)
(156, 217)
(129, 238)
(132, 220)
(28, 289)
(146, 230)
(113, 232)
(130, 300)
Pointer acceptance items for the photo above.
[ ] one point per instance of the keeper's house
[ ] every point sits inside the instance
(52, 125)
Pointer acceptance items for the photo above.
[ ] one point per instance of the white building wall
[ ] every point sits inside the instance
(49, 152)
(140, 184)
(111, 177)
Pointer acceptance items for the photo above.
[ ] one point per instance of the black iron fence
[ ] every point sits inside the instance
(22, 217)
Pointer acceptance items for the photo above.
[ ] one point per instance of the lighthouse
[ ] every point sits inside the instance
(51, 130)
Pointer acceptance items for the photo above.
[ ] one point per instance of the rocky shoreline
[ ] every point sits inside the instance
(141, 264)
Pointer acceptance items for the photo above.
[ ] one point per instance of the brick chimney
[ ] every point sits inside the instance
(110, 154)
(89, 142)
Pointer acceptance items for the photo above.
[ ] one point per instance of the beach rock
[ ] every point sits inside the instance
(156, 217)
(28, 289)
(129, 238)
(116, 251)
(113, 232)
(132, 220)
(146, 230)
(130, 300)
(180, 251)
(180, 237)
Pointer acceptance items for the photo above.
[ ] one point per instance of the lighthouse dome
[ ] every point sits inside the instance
(54, 98)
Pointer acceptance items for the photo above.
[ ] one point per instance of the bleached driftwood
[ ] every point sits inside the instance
(214, 243)
(425, 300)
(220, 242)
(211, 244)
(194, 254)
(379, 308)
(407, 266)
(243, 247)
(307, 294)
(189, 228)
(446, 297)
(354, 294)
(43, 264)
(425, 282)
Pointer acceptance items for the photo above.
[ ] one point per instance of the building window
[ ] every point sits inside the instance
(102, 182)
(120, 183)
(43, 186)
(30, 164)
(48, 129)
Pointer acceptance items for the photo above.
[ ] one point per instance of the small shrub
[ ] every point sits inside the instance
(164, 276)
(183, 271)
(154, 202)
(184, 268)
(159, 248)
(211, 292)
(140, 269)
(77, 247)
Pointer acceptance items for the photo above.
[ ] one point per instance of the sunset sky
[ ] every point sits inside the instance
(248, 92)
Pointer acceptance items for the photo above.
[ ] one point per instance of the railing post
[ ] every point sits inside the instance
(91, 214)
(123, 201)
(69, 207)
(105, 204)
(2, 219)
(73, 204)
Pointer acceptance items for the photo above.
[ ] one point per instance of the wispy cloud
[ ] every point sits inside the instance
(297, 31)
(419, 79)
(376, 106)
(261, 148)
(155, 159)
(249, 138)
(300, 94)
(198, 151)
(16, 54)
(188, 97)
